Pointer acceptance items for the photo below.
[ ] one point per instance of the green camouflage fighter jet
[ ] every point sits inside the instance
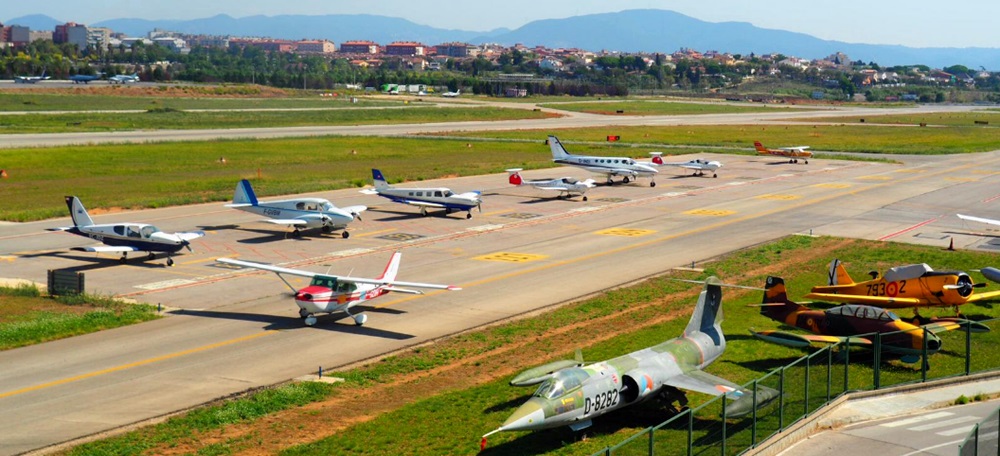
(573, 395)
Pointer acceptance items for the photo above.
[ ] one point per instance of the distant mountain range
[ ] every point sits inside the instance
(630, 31)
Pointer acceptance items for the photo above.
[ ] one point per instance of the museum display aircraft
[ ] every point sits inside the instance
(566, 186)
(792, 153)
(125, 237)
(124, 78)
(31, 79)
(698, 165)
(854, 324)
(914, 285)
(297, 212)
(328, 294)
(625, 167)
(573, 396)
(426, 198)
(85, 78)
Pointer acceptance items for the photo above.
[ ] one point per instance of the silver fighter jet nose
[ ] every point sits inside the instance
(529, 416)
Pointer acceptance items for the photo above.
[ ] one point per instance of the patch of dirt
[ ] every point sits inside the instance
(165, 91)
(353, 405)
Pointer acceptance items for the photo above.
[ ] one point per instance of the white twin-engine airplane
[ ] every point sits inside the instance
(297, 213)
(424, 198)
(698, 165)
(566, 186)
(611, 166)
(125, 237)
(330, 294)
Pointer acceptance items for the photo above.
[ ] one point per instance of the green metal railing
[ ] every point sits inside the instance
(982, 440)
(806, 385)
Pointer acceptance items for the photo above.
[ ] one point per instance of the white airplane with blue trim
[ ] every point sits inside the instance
(626, 167)
(567, 187)
(698, 165)
(426, 198)
(125, 237)
(297, 213)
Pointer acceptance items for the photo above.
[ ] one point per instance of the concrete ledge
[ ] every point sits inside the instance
(314, 378)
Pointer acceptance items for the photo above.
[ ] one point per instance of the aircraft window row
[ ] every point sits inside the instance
(306, 207)
(436, 193)
(134, 231)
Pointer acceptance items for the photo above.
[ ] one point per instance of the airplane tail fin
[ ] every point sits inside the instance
(392, 268)
(379, 180)
(244, 193)
(760, 147)
(707, 314)
(77, 212)
(775, 304)
(837, 275)
(558, 151)
(515, 176)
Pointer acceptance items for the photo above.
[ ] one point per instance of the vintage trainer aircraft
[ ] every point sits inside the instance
(626, 167)
(125, 237)
(914, 285)
(330, 294)
(792, 153)
(698, 165)
(298, 212)
(566, 186)
(574, 395)
(424, 198)
(849, 322)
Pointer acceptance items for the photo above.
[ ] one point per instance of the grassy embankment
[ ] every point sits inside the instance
(440, 398)
(110, 99)
(27, 317)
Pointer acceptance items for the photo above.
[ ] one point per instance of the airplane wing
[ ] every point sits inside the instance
(881, 301)
(550, 187)
(795, 149)
(354, 209)
(703, 382)
(978, 219)
(106, 249)
(393, 283)
(189, 235)
(289, 222)
(803, 341)
(267, 267)
(986, 296)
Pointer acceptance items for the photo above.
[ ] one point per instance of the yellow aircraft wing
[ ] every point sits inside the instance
(804, 340)
(987, 296)
(881, 301)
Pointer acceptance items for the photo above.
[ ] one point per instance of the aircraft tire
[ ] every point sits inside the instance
(360, 319)
(170, 262)
(326, 229)
(151, 256)
(468, 216)
(625, 180)
(310, 320)
(585, 198)
(652, 184)
(303, 313)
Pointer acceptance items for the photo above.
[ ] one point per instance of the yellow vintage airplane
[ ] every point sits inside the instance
(914, 285)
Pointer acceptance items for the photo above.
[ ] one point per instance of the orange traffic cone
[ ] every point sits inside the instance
(3, 173)
(951, 245)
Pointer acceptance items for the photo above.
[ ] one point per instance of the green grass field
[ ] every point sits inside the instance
(987, 119)
(657, 108)
(33, 101)
(450, 419)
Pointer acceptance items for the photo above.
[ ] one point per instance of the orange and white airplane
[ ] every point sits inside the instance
(793, 153)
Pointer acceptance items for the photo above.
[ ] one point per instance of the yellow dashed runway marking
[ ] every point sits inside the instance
(372, 233)
(961, 179)
(910, 171)
(629, 232)
(875, 178)
(511, 257)
(779, 197)
(710, 212)
(832, 185)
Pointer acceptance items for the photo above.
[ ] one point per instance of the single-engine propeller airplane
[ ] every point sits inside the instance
(698, 165)
(914, 285)
(574, 395)
(297, 212)
(424, 198)
(31, 79)
(626, 167)
(566, 186)
(125, 237)
(328, 294)
(124, 78)
(848, 322)
(85, 78)
(792, 153)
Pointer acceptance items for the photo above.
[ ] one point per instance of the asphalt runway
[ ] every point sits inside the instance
(228, 330)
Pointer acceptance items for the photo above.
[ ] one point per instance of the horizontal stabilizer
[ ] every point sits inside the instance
(239, 205)
(703, 382)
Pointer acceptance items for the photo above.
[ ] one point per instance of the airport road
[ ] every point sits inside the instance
(569, 120)
(230, 330)
(931, 432)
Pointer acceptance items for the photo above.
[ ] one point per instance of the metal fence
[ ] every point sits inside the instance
(983, 438)
(809, 383)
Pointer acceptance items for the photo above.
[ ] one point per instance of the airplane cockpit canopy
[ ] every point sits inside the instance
(569, 180)
(561, 383)
(324, 281)
(910, 271)
(861, 311)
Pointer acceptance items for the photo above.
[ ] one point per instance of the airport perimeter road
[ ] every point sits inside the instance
(570, 120)
(229, 330)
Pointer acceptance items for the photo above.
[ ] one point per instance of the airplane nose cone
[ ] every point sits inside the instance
(529, 416)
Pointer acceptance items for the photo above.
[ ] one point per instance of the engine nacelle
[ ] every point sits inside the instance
(639, 385)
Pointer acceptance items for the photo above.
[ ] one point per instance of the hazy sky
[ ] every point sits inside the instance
(917, 23)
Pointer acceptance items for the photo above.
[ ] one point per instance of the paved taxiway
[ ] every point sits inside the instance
(232, 330)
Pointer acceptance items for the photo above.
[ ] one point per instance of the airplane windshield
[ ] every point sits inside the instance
(563, 382)
(148, 231)
(322, 281)
(448, 193)
(328, 207)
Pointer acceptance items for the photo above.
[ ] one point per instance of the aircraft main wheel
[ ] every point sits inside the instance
(345, 235)
(625, 180)
(807, 162)
(151, 256)
(360, 319)
(652, 184)
(296, 234)
(303, 313)
(122, 260)
(715, 175)
(170, 262)
(310, 320)
(326, 229)
(585, 198)
(468, 216)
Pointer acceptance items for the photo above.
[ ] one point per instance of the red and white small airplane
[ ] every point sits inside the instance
(330, 294)
(793, 153)
(698, 165)
(566, 186)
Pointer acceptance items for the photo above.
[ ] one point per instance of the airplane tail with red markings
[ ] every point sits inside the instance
(760, 148)
(392, 268)
(515, 176)
(837, 274)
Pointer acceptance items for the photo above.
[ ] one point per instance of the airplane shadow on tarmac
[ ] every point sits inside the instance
(94, 261)
(326, 322)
